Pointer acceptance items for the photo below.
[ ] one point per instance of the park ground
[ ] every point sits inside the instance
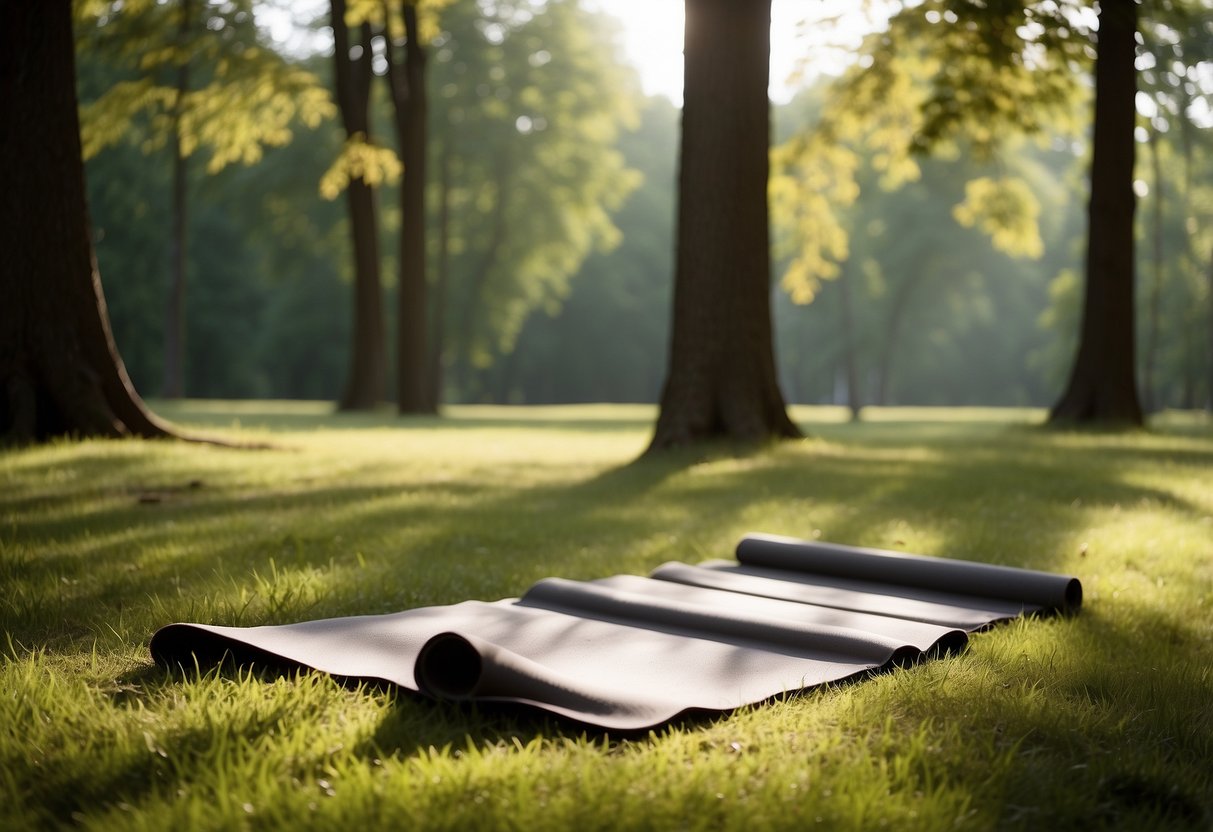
(1101, 720)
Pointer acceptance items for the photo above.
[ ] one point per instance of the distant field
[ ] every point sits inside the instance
(1102, 720)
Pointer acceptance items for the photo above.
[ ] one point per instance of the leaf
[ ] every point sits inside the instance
(359, 159)
(1007, 211)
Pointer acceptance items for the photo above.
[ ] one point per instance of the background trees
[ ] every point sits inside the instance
(559, 290)
(192, 76)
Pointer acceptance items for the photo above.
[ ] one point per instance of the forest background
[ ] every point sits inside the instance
(550, 209)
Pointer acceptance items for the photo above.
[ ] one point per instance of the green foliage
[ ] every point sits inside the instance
(1006, 210)
(1100, 720)
(861, 137)
(563, 316)
(529, 100)
(578, 353)
(939, 314)
(1174, 108)
(359, 159)
(268, 311)
(997, 66)
(239, 97)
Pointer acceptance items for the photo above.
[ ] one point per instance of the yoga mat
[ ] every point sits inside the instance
(629, 652)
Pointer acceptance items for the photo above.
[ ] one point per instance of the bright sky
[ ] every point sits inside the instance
(652, 37)
(652, 40)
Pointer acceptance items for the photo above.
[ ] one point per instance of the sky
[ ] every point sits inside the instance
(652, 37)
(652, 40)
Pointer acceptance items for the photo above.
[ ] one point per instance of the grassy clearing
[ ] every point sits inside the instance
(1102, 720)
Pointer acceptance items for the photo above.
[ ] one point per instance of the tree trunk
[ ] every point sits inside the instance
(60, 372)
(721, 380)
(174, 311)
(409, 97)
(849, 358)
(1102, 388)
(368, 354)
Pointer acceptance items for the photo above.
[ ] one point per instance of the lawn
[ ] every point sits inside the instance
(1099, 720)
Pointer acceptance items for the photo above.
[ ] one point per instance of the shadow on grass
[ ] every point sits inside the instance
(1009, 495)
(434, 543)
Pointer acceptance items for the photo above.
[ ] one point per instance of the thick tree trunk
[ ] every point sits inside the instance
(173, 385)
(721, 380)
(367, 377)
(1102, 388)
(59, 369)
(409, 96)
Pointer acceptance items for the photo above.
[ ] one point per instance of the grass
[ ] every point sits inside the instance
(1102, 720)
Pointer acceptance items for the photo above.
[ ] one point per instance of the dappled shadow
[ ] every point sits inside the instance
(230, 552)
(1127, 721)
(684, 505)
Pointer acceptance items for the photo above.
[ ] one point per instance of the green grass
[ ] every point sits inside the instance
(1101, 720)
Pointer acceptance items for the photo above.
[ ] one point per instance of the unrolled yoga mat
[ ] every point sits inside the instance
(629, 652)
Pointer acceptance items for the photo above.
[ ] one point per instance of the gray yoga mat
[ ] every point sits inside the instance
(629, 652)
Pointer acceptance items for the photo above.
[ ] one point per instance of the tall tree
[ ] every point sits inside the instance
(721, 379)
(1016, 65)
(60, 372)
(407, 80)
(201, 80)
(368, 354)
(1103, 386)
(530, 102)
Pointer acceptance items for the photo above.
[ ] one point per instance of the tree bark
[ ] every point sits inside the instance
(409, 98)
(173, 386)
(60, 372)
(721, 380)
(1102, 389)
(367, 377)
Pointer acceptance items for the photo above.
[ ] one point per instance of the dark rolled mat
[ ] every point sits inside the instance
(1039, 590)
(629, 652)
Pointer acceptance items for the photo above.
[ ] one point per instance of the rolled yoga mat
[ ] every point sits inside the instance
(629, 652)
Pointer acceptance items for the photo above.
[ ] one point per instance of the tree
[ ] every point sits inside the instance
(60, 372)
(1015, 66)
(352, 78)
(529, 103)
(721, 379)
(1102, 386)
(577, 354)
(1175, 89)
(407, 81)
(201, 80)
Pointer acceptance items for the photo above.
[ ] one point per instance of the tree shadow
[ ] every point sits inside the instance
(1021, 503)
